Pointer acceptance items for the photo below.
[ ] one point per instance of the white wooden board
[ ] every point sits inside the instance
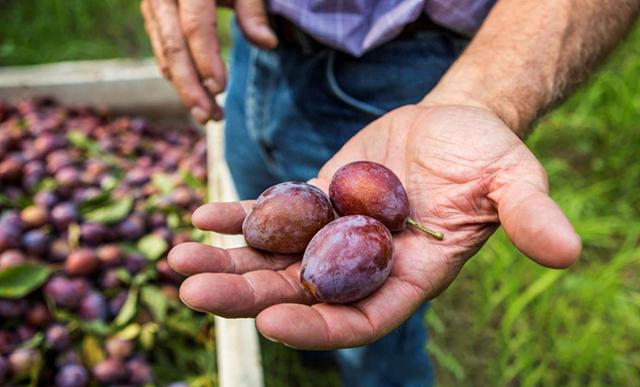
(237, 345)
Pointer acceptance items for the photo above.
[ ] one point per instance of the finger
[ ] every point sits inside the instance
(198, 20)
(152, 31)
(252, 19)
(182, 72)
(331, 326)
(537, 226)
(194, 258)
(222, 217)
(243, 295)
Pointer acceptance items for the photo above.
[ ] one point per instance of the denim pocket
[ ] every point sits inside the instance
(342, 95)
(397, 73)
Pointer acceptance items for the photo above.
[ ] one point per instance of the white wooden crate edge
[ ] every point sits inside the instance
(237, 343)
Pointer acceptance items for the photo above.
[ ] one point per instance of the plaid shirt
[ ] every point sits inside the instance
(356, 26)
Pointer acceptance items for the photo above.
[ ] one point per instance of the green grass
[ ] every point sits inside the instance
(505, 321)
(43, 31)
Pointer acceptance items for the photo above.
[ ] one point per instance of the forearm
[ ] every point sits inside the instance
(530, 53)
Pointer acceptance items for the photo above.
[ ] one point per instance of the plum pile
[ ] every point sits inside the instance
(346, 259)
(89, 206)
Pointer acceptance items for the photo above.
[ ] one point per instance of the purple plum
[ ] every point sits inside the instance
(286, 216)
(347, 260)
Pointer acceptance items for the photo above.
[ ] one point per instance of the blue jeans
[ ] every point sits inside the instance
(287, 113)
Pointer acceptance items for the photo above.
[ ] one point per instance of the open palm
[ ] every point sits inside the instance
(465, 173)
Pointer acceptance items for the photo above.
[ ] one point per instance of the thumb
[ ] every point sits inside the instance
(537, 226)
(252, 19)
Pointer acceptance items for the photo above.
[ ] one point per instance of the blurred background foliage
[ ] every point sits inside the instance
(505, 321)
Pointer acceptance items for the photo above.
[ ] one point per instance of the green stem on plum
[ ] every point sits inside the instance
(434, 234)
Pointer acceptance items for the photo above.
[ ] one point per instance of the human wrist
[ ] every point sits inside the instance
(467, 87)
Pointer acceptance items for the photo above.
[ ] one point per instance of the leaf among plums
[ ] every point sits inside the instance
(128, 310)
(112, 212)
(20, 280)
(156, 301)
(152, 246)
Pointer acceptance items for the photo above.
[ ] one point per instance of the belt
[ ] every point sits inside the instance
(291, 35)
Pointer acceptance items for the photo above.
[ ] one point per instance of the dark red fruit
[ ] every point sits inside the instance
(10, 169)
(72, 375)
(12, 309)
(34, 216)
(94, 234)
(119, 348)
(286, 216)
(4, 369)
(109, 255)
(110, 371)
(93, 307)
(371, 189)
(35, 242)
(82, 261)
(38, 315)
(68, 177)
(64, 292)
(134, 263)
(110, 280)
(166, 273)
(139, 372)
(22, 360)
(63, 214)
(131, 228)
(45, 199)
(58, 337)
(59, 250)
(347, 260)
(12, 257)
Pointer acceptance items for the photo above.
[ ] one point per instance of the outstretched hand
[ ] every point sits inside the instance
(465, 173)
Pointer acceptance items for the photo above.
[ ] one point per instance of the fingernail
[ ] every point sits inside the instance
(268, 34)
(213, 86)
(270, 339)
(200, 114)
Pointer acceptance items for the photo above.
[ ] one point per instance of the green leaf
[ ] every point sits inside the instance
(100, 200)
(191, 180)
(128, 248)
(128, 310)
(33, 342)
(147, 335)
(94, 327)
(123, 275)
(514, 311)
(152, 246)
(163, 182)
(80, 140)
(130, 332)
(173, 221)
(109, 183)
(73, 232)
(110, 213)
(5, 201)
(157, 302)
(47, 184)
(92, 351)
(18, 281)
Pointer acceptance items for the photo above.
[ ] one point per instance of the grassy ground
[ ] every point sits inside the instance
(505, 321)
